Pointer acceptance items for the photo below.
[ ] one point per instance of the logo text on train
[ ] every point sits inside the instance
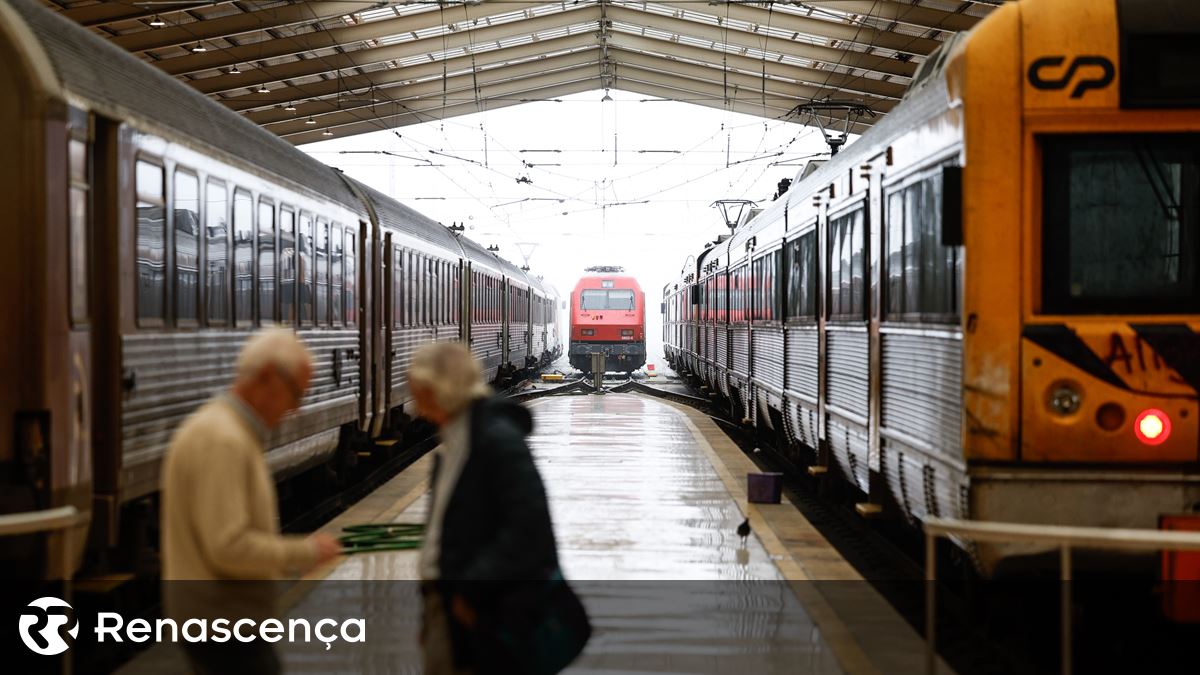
(1095, 72)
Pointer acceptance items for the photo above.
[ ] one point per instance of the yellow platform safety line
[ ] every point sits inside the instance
(552, 377)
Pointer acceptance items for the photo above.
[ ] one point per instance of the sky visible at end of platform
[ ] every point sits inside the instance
(644, 206)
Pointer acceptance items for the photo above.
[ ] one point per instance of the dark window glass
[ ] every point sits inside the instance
(266, 262)
(1121, 224)
(186, 210)
(351, 251)
(336, 279)
(847, 292)
(922, 275)
(802, 277)
(217, 250)
(150, 244)
(243, 258)
(304, 241)
(287, 267)
(617, 299)
(80, 224)
(322, 272)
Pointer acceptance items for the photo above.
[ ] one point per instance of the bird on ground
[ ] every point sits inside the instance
(743, 530)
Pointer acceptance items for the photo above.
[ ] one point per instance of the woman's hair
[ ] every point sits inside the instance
(450, 371)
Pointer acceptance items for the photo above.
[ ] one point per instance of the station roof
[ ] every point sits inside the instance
(356, 66)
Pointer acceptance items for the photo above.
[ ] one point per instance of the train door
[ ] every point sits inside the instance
(464, 301)
(388, 319)
(505, 319)
(873, 174)
(371, 361)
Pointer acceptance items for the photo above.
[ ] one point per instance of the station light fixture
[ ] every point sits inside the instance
(310, 120)
(262, 89)
(1152, 427)
(234, 70)
(157, 22)
(198, 48)
(290, 107)
(327, 132)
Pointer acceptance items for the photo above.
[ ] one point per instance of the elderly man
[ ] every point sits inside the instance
(220, 518)
(488, 522)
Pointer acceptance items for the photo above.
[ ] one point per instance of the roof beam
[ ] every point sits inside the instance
(436, 88)
(913, 15)
(819, 27)
(365, 57)
(497, 83)
(385, 78)
(434, 110)
(236, 24)
(112, 12)
(828, 80)
(791, 93)
(700, 93)
(336, 37)
(721, 35)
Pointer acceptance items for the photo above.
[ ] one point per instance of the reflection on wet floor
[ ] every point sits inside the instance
(646, 532)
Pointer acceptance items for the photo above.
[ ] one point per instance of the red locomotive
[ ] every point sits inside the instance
(608, 315)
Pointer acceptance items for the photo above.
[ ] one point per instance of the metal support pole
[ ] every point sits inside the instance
(1065, 583)
(930, 603)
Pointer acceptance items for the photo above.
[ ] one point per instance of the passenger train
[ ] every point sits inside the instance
(987, 306)
(150, 230)
(608, 316)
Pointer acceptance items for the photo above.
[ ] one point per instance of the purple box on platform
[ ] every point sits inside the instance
(764, 488)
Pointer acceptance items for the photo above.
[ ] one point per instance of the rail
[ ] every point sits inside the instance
(1064, 538)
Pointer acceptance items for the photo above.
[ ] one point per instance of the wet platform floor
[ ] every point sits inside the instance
(645, 497)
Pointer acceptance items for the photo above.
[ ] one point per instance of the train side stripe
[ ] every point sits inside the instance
(1061, 341)
(1177, 344)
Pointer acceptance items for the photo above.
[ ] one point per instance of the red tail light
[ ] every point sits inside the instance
(1152, 426)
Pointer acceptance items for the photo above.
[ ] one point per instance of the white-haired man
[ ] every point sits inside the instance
(219, 516)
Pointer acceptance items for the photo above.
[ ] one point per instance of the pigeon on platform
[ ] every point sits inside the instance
(743, 530)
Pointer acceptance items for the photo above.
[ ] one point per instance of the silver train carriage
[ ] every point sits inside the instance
(152, 231)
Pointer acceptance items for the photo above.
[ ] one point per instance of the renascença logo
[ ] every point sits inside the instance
(48, 626)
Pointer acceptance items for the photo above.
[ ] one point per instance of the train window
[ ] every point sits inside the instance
(150, 244)
(1121, 224)
(304, 240)
(185, 208)
(348, 257)
(287, 266)
(802, 277)
(80, 226)
(846, 287)
(335, 274)
(266, 261)
(922, 274)
(216, 246)
(321, 253)
(243, 258)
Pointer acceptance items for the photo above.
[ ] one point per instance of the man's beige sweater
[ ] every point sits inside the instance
(219, 514)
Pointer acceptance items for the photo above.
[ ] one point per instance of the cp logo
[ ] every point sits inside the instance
(1093, 79)
(48, 626)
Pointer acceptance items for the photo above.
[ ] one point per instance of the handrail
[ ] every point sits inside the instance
(27, 522)
(1063, 537)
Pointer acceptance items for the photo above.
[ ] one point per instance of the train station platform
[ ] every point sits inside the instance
(646, 497)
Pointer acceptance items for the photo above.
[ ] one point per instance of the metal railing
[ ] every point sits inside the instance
(1064, 538)
(50, 520)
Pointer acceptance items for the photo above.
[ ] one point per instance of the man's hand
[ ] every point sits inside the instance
(325, 548)
(463, 612)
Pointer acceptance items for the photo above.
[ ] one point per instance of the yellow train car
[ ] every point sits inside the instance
(988, 305)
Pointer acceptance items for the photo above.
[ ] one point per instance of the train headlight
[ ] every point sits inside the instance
(587, 331)
(626, 332)
(1110, 416)
(1064, 399)
(1152, 427)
